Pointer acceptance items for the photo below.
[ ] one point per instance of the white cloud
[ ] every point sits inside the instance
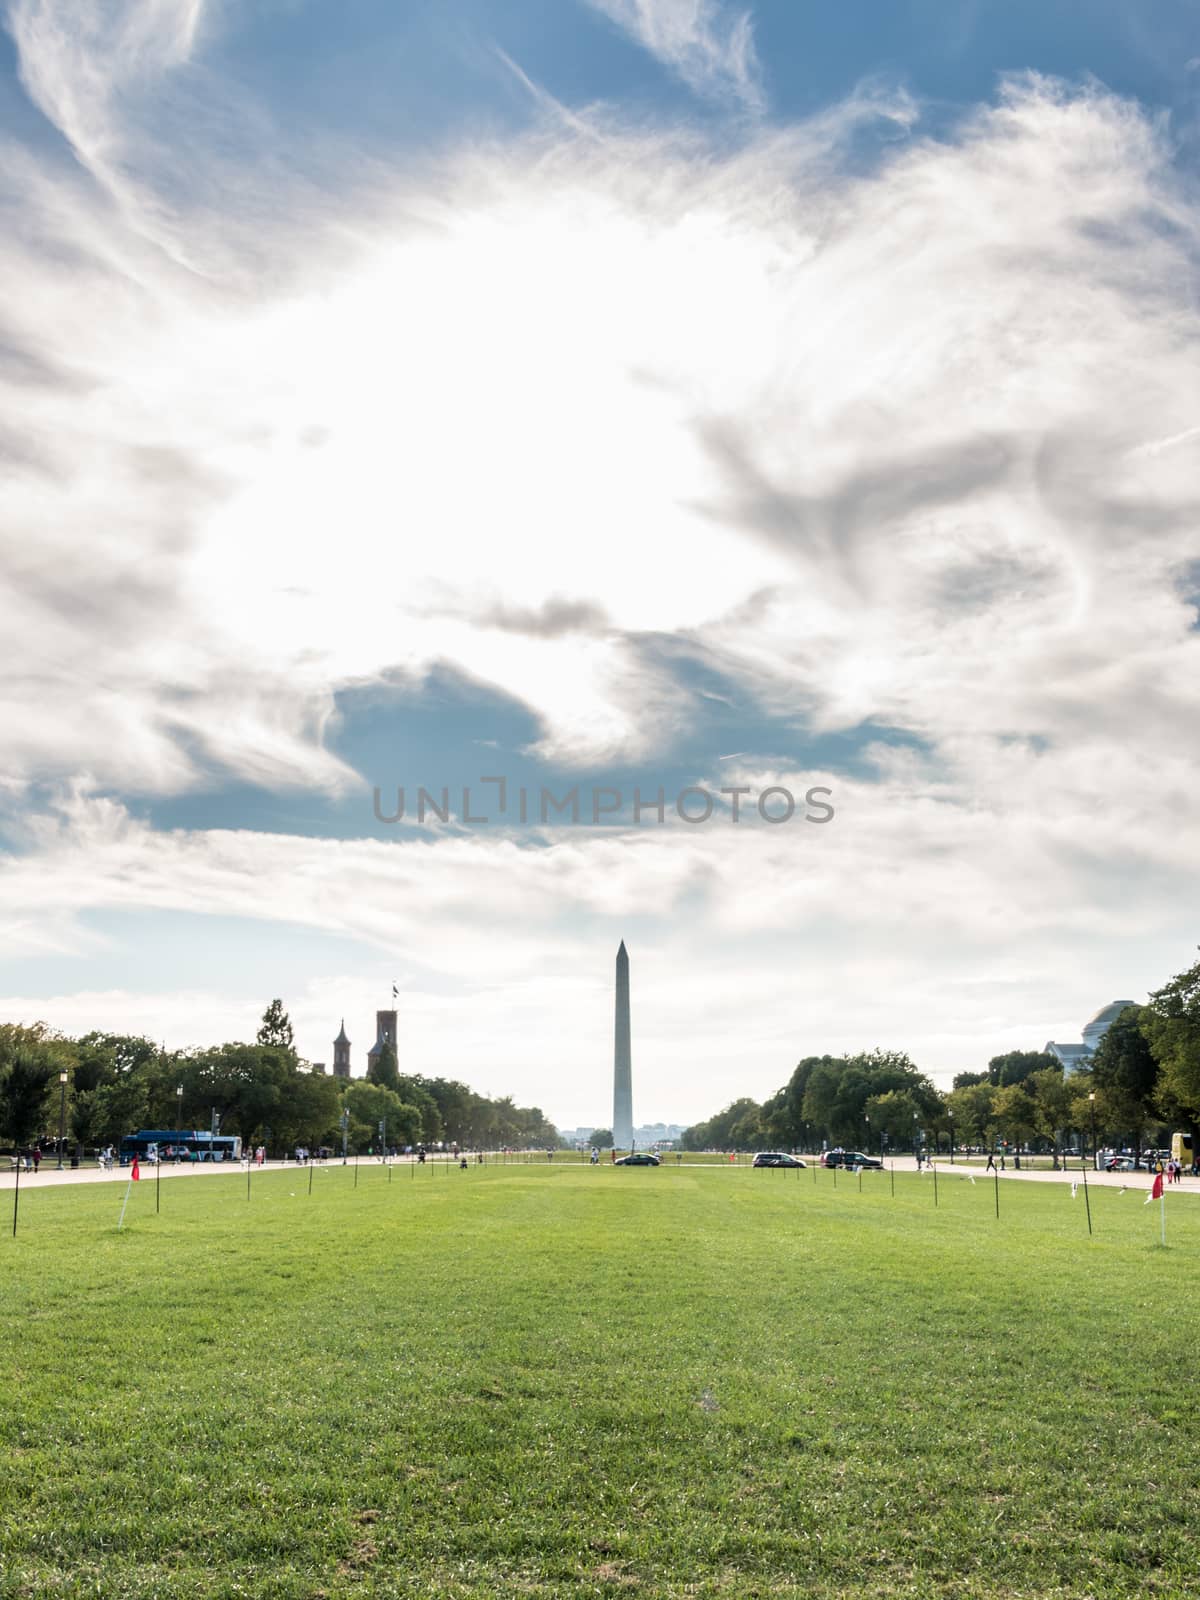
(853, 436)
(709, 48)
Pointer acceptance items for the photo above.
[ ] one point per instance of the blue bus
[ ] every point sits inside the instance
(167, 1144)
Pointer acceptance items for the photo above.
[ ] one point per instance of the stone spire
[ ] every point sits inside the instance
(341, 1054)
(622, 1063)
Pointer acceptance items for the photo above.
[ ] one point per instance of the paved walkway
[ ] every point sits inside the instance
(947, 1171)
(185, 1169)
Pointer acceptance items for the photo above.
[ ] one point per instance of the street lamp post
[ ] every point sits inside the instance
(950, 1120)
(916, 1132)
(1092, 1110)
(345, 1133)
(867, 1120)
(62, 1115)
(178, 1117)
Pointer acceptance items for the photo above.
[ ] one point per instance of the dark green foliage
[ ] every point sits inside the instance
(738, 1127)
(382, 1069)
(1017, 1065)
(965, 1080)
(276, 1027)
(119, 1083)
(368, 1103)
(1171, 1023)
(25, 1079)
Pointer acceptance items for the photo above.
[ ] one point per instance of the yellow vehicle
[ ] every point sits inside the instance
(1183, 1149)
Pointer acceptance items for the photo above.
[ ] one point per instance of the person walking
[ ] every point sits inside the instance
(991, 1163)
(135, 1171)
(37, 1157)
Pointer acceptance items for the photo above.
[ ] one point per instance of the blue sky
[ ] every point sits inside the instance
(623, 394)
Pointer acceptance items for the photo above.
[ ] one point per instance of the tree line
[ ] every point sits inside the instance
(1142, 1080)
(263, 1092)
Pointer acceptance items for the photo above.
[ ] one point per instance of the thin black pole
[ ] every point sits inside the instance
(860, 1180)
(935, 1198)
(835, 1175)
(249, 1169)
(996, 1178)
(310, 1174)
(356, 1169)
(16, 1194)
(893, 1177)
(1086, 1201)
(157, 1184)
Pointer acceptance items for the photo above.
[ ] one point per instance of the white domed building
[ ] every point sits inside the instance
(1075, 1056)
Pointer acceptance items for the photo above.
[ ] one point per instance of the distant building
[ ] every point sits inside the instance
(385, 1033)
(1076, 1056)
(341, 1054)
(318, 1069)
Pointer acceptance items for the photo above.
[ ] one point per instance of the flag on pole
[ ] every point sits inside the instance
(1074, 1190)
(1156, 1191)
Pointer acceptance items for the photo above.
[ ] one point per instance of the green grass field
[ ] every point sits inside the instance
(558, 1381)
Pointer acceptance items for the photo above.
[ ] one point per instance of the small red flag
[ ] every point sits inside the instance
(1156, 1191)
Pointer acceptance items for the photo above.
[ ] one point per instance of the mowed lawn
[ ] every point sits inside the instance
(558, 1380)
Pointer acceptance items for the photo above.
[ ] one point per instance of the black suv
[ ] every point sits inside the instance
(852, 1158)
(776, 1158)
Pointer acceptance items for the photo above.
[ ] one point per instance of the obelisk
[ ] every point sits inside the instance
(622, 1065)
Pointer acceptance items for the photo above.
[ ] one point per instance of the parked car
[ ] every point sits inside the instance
(852, 1158)
(777, 1158)
(640, 1158)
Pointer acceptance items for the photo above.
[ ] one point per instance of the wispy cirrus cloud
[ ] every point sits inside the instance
(708, 47)
(667, 385)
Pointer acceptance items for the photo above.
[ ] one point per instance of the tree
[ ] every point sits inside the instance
(1171, 1024)
(1053, 1103)
(1017, 1065)
(369, 1104)
(383, 1069)
(1016, 1112)
(965, 1080)
(894, 1113)
(414, 1091)
(835, 1101)
(24, 1092)
(276, 1027)
(974, 1111)
(739, 1126)
(1125, 1073)
(602, 1138)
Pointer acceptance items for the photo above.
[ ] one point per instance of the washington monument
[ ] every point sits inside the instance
(622, 1066)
